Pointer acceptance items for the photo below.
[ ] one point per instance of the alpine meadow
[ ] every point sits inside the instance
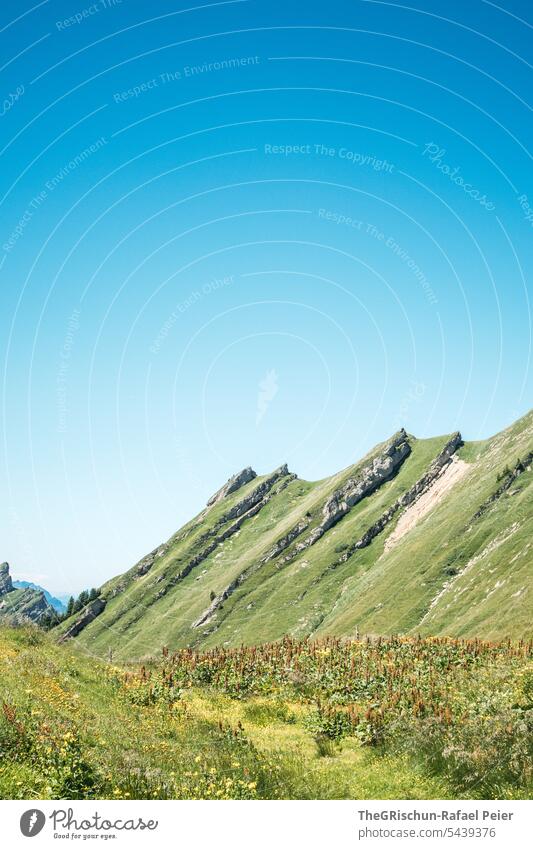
(266, 423)
(368, 635)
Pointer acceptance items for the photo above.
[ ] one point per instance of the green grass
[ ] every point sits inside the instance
(264, 723)
(492, 599)
(450, 574)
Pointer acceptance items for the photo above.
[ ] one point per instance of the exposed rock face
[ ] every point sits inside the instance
(88, 614)
(30, 605)
(382, 469)
(144, 565)
(257, 494)
(246, 508)
(508, 480)
(235, 482)
(208, 614)
(6, 584)
(421, 486)
(370, 478)
(243, 510)
(286, 540)
(21, 605)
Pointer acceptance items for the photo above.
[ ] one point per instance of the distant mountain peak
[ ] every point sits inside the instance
(20, 604)
(55, 602)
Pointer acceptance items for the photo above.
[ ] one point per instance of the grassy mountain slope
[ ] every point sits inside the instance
(453, 573)
(280, 555)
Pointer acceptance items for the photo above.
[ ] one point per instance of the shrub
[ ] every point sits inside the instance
(265, 712)
(485, 744)
(329, 722)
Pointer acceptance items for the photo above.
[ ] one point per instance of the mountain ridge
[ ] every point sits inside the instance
(55, 602)
(408, 538)
(19, 605)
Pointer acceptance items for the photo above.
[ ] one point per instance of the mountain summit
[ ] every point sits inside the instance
(429, 536)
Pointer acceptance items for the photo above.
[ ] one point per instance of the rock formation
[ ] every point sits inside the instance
(235, 482)
(89, 612)
(382, 468)
(18, 606)
(6, 584)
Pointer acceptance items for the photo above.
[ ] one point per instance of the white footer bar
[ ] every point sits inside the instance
(254, 825)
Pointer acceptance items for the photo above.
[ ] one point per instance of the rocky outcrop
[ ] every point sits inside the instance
(144, 565)
(422, 485)
(87, 615)
(217, 602)
(234, 483)
(286, 540)
(19, 606)
(22, 606)
(6, 584)
(139, 570)
(245, 509)
(382, 469)
(369, 479)
(256, 495)
(508, 478)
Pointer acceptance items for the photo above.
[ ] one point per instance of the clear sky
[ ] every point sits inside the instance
(244, 233)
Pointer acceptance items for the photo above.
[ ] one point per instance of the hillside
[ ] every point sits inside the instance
(403, 718)
(23, 604)
(58, 605)
(429, 536)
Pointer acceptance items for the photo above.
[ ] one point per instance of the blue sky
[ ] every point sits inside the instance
(248, 233)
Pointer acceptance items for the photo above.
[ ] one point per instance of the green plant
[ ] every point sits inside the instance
(266, 712)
